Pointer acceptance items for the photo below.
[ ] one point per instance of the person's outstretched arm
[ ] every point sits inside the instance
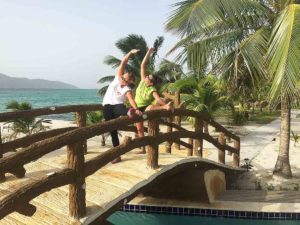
(130, 98)
(158, 98)
(124, 62)
(144, 63)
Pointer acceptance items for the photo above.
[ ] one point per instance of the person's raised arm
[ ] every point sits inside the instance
(124, 62)
(144, 63)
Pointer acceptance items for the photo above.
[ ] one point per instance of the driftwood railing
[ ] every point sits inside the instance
(78, 169)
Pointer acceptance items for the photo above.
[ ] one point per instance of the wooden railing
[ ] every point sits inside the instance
(78, 169)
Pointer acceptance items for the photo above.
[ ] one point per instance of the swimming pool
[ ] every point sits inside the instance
(130, 218)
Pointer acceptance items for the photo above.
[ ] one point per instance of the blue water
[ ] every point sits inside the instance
(128, 218)
(40, 98)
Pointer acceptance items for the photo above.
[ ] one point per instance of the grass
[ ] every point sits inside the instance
(264, 117)
(225, 117)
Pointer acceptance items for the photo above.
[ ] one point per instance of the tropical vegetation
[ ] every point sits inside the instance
(252, 45)
(25, 126)
(97, 117)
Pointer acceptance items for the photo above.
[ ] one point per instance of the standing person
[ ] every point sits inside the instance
(115, 96)
(146, 93)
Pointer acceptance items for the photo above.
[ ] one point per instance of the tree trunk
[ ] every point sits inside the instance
(282, 167)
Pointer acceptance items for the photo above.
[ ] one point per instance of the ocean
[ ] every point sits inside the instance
(40, 98)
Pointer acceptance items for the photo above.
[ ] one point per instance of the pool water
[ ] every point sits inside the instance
(129, 218)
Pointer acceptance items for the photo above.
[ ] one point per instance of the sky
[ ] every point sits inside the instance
(67, 40)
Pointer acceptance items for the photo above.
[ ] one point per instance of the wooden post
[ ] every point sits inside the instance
(177, 118)
(81, 122)
(236, 156)
(2, 175)
(198, 144)
(169, 130)
(77, 204)
(152, 159)
(206, 130)
(221, 152)
(228, 140)
(190, 150)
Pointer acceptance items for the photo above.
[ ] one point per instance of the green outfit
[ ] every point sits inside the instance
(144, 94)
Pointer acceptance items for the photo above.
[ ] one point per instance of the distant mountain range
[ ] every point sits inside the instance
(18, 83)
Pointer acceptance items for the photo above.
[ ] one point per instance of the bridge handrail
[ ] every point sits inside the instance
(6, 116)
(41, 148)
(74, 140)
(21, 198)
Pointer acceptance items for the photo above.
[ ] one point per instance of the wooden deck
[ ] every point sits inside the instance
(101, 188)
(115, 180)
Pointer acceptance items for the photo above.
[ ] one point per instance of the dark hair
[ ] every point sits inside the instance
(155, 79)
(131, 85)
(131, 76)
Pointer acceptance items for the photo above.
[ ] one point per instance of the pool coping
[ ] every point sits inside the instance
(208, 212)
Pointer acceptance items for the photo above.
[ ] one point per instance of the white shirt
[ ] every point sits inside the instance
(115, 94)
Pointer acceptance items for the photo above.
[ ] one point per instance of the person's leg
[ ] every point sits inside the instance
(108, 113)
(117, 111)
(168, 106)
(140, 130)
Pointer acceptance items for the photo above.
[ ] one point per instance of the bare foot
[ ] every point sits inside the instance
(116, 160)
(169, 106)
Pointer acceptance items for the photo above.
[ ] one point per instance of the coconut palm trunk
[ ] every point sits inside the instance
(282, 167)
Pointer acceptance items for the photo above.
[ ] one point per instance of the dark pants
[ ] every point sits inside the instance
(112, 112)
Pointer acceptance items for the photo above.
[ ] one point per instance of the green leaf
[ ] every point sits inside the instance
(283, 54)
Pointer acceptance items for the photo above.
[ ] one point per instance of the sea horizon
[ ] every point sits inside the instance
(41, 98)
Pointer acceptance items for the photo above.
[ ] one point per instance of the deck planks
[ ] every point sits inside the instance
(102, 187)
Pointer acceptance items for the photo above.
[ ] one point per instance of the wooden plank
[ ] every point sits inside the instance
(8, 220)
(57, 199)
(117, 179)
(101, 193)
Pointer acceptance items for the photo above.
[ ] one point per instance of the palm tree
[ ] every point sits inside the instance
(97, 117)
(132, 41)
(261, 35)
(201, 95)
(169, 72)
(25, 126)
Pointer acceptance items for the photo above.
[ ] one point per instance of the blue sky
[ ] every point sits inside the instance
(67, 40)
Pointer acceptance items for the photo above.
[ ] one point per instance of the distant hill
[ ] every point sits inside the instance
(17, 83)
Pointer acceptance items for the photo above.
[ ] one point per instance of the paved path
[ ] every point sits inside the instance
(254, 142)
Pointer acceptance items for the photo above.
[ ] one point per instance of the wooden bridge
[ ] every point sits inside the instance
(81, 186)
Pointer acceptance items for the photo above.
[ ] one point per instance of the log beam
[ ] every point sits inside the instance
(221, 151)
(77, 204)
(152, 151)
(236, 155)
(81, 122)
(2, 174)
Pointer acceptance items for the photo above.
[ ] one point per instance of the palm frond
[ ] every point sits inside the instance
(112, 61)
(102, 91)
(283, 54)
(106, 79)
(190, 16)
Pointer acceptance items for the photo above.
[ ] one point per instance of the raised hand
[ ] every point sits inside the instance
(151, 50)
(134, 51)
